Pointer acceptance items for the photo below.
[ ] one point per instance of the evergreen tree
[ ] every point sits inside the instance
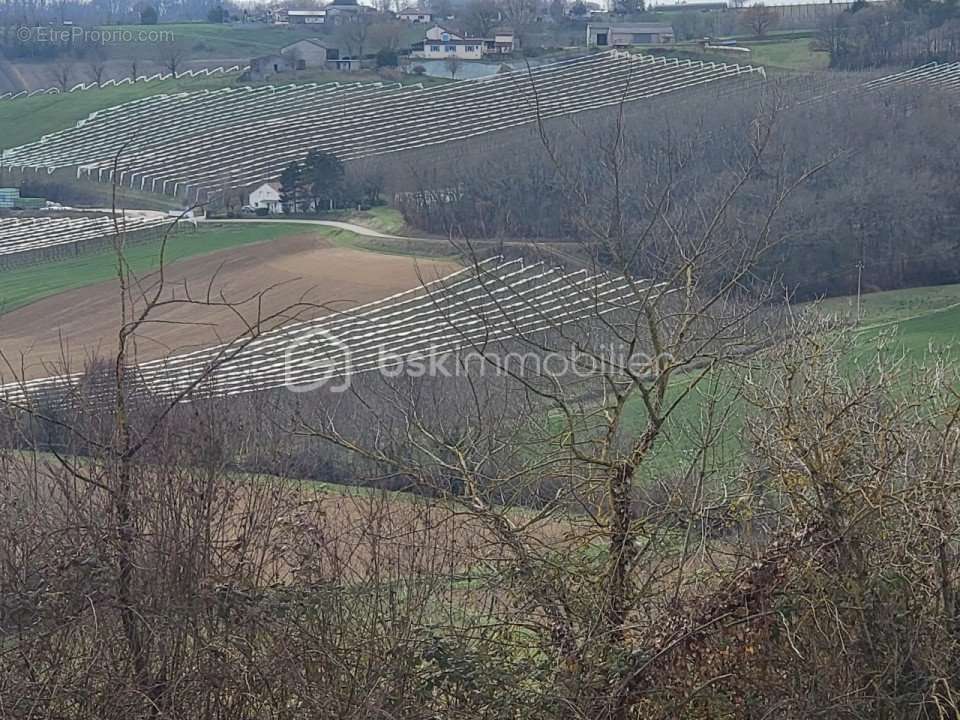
(323, 177)
(291, 187)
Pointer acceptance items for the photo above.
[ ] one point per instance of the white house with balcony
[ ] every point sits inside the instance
(440, 44)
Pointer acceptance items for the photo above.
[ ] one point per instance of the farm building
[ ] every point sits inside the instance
(504, 42)
(10, 200)
(621, 34)
(414, 15)
(267, 196)
(300, 17)
(301, 55)
(267, 66)
(310, 53)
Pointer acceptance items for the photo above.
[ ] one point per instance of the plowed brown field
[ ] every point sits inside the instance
(64, 331)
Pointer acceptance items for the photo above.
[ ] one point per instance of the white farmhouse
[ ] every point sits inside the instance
(267, 196)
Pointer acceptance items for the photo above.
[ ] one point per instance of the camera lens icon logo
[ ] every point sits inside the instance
(314, 360)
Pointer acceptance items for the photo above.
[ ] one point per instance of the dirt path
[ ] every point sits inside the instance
(357, 229)
(78, 324)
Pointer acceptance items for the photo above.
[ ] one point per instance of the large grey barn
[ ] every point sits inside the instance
(621, 34)
(310, 53)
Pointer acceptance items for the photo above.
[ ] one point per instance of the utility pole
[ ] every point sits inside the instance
(859, 287)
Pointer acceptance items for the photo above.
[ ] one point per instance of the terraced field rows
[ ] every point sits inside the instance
(35, 238)
(195, 143)
(470, 309)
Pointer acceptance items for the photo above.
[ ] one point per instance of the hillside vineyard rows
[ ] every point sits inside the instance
(186, 144)
(940, 75)
(41, 235)
(469, 309)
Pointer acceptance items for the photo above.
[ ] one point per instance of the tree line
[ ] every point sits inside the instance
(885, 213)
(904, 33)
(320, 183)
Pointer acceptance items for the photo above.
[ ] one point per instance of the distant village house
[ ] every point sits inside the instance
(300, 17)
(414, 15)
(440, 43)
(504, 42)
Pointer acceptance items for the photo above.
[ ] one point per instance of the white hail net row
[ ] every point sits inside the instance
(469, 310)
(195, 142)
(18, 235)
(940, 75)
(201, 72)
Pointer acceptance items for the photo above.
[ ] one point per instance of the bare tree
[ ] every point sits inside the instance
(481, 17)
(172, 56)
(519, 13)
(97, 66)
(692, 326)
(759, 19)
(385, 34)
(63, 73)
(353, 35)
(453, 65)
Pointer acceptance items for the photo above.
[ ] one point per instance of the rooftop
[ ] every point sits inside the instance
(635, 27)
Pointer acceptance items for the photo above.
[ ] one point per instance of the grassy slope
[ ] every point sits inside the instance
(788, 54)
(227, 41)
(26, 119)
(246, 40)
(921, 319)
(23, 286)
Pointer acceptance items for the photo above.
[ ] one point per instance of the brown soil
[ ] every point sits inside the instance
(67, 329)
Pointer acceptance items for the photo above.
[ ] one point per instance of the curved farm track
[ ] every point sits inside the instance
(69, 328)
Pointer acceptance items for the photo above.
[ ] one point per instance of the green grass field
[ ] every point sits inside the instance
(787, 54)
(239, 40)
(222, 41)
(26, 285)
(916, 322)
(26, 119)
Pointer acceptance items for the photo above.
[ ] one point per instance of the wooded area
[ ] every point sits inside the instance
(884, 211)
